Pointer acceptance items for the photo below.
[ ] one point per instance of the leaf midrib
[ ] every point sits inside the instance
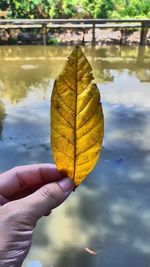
(75, 117)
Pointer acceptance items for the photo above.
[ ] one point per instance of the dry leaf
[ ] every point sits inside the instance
(77, 122)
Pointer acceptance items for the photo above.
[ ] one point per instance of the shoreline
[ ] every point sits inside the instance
(72, 37)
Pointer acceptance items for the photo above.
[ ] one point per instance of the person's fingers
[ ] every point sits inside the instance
(3, 200)
(23, 178)
(45, 199)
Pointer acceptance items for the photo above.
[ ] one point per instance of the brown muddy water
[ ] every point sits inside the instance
(110, 212)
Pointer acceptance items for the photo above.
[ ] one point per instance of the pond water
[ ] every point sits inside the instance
(110, 212)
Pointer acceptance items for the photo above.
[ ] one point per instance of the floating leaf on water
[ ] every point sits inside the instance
(90, 251)
(77, 122)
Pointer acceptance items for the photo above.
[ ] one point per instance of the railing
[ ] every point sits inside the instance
(83, 24)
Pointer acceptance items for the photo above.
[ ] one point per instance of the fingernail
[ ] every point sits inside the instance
(67, 185)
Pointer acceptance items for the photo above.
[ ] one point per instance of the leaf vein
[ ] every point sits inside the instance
(83, 74)
(63, 136)
(67, 84)
(84, 88)
(88, 131)
(64, 101)
(89, 118)
(85, 105)
(88, 160)
(63, 152)
(65, 119)
(70, 64)
(79, 65)
(79, 57)
(87, 149)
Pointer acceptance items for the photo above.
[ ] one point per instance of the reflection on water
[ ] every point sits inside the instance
(110, 212)
(2, 116)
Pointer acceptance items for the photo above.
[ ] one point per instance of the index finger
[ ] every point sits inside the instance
(23, 178)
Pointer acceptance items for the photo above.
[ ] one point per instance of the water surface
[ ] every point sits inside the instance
(110, 212)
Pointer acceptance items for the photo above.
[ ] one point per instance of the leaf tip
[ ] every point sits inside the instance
(78, 48)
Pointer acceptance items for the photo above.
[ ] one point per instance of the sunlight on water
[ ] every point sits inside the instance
(110, 212)
(34, 264)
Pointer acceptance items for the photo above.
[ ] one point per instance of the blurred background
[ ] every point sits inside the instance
(73, 10)
(117, 9)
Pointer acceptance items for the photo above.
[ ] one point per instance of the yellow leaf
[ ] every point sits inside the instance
(77, 123)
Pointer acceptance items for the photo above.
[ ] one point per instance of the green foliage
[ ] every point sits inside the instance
(53, 41)
(130, 9)
(75, 8)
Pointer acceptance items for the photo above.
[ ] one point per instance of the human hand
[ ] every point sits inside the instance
(26, 194)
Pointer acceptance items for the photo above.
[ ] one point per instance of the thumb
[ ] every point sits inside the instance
(47, 198)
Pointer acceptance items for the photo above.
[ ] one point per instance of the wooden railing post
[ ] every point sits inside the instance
(90, 24)
(143, 34)
(93, 34)
(122, 35)
(44, 32)
(83, 37)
